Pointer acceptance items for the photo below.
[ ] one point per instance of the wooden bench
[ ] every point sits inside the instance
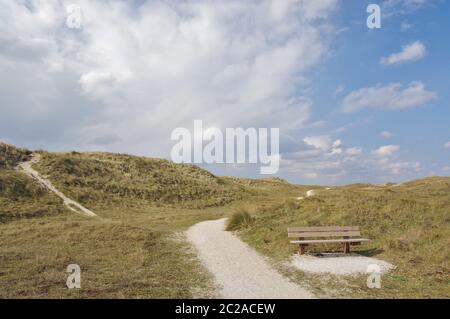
(310, 235)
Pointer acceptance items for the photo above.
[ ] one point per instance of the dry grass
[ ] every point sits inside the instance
(118, 260)
(409, 225)
(21, 198)
(11, 155)
(239, 219)
(93, 178)
(135, 249)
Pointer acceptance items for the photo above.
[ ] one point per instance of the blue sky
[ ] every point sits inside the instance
(352, 104)
(421, 132)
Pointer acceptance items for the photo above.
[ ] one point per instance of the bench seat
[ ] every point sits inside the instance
(349, 235)
(327, 241)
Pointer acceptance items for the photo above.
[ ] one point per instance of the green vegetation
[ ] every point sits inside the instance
(117, 260)
(409, 225)
(239, 219)
(103, 178)
(10, 156)
(20, 197)
(136, 248)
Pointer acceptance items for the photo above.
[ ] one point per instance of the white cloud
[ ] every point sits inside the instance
(339, 90)
(321, 142)
(353, 151)
(135, 72)
(411, 52)
(323, 164)
(97, 83)
(447, 145)
(391, 97)
(142, 69)
(386, 134)
(405, 26)
(386, 151)
(401, 7)
(325, 144)
(393, 167)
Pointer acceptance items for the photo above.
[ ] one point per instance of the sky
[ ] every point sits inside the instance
(353, 104)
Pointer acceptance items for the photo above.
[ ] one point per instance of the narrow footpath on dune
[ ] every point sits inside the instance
(71, 204)
(239, 271)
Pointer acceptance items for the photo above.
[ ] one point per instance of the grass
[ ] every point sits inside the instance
(409, 225)
(239, 219)
(136, 248)
(20, 197)
(117, 260)
(10, 156)
(93, 178)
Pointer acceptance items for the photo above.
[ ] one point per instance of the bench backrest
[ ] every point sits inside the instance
(326, 231)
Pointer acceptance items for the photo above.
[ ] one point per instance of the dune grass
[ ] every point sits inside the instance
(93, 178)
(117, 260)
(10, 156)
(239, 219)
(136, 248)
(409, 226)
(22, 198)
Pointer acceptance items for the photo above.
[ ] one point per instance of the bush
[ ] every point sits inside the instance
(10, 156)
(239, 219)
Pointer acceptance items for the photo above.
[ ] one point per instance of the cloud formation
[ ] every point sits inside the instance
(137, 70)
(411, 52)
(323, 161)
(391, 97)
(401, 7)
(387, 150)
(386, 134)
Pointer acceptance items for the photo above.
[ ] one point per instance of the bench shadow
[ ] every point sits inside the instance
(370, 252)
(335, 254)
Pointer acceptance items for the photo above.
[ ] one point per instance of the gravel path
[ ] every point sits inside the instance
(71, 204)
(339, 264)
(239, 271)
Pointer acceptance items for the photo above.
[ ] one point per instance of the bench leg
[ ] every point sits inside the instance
(346, 246)
(302, 249)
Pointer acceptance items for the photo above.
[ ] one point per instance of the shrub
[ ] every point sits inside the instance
(240, 218)
(10, 156)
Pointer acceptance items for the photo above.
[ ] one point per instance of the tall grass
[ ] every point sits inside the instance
(10, 156)
(239, 219)
(20, 196)
(144, 202)
(409, 225)
(93, 178)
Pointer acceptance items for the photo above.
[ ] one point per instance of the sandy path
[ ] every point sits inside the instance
(239, 271)
(27, 169)
(339, 264)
